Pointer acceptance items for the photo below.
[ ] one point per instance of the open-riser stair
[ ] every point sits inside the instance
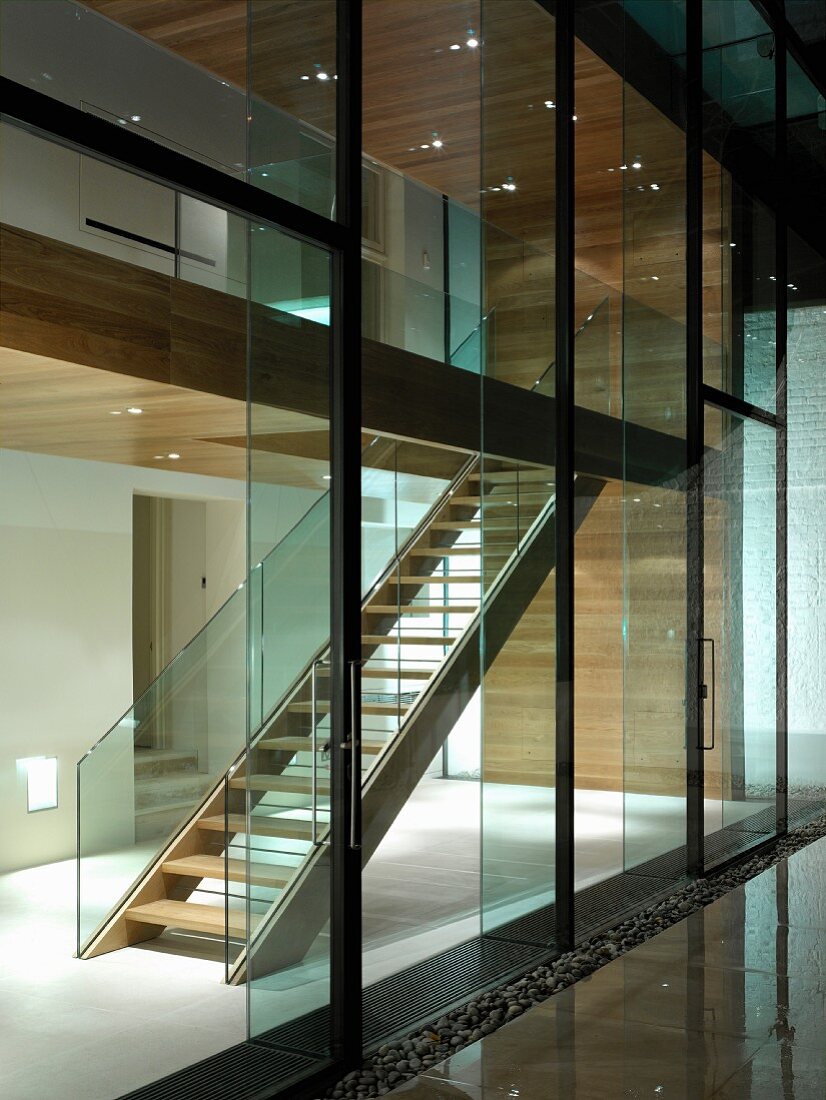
(416, 623)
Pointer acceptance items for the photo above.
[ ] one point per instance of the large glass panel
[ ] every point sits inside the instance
(293, 85)
(806, 419)
(249, 89)
(653, 171)
(740, 265)
(516, 498)
(122, 478)
(739, 648)
(278, 820)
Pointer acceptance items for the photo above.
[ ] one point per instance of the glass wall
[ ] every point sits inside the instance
(806, 133)
(169, 537)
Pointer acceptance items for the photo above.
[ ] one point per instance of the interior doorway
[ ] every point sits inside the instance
(188, 557)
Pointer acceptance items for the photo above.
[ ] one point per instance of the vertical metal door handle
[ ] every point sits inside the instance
(704, 694)
(314, 755)
(355, 758)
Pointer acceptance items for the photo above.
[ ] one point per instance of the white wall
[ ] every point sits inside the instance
(65, 616)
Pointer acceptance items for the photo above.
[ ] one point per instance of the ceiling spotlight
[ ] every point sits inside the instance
(496, 188)
(173, 454)
(549, 103)
(438, 143)
(135, 118)
(636, 164)
(623, 168)
(134, 410)
(732, 244)
(509, 186)
(115, 412)
(425, 146)
(472, 43)
(322, 76)
(157, 456)
(456, 46)
(655, 187)
(326, 477)
(305, 78)
(574, 117)
(656, 278)
(773, 278)
(611, 169)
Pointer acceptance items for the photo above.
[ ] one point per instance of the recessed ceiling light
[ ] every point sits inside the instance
(611, 169)
(496, 188)
(509, 186)
(574, 118)
(326, 477)
(636, 164)
(115, 412)
(549, 103)
(134, 410)
(456, 46)
(472, 43)
(656, 278)
(438, 143)
(135, 118)
(655, 187)
(305, 78)
(732, 244)
(157, 456)
(425, 146)
(173, 454)
(623, 168)
(322, 76)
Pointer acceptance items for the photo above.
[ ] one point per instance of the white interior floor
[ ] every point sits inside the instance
(95, 1030)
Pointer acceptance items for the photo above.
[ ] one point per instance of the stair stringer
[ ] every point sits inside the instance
(286, 933)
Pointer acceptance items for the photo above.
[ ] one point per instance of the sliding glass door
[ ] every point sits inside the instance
(737, 656)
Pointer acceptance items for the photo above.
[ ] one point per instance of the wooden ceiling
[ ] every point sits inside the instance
(50, 406)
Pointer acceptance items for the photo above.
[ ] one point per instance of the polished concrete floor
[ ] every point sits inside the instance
(126, 1018)
(729, 1003)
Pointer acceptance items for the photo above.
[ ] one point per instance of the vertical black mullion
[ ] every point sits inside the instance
(694, 437)
(446, 273)
(345, 565)
(564, 535)
(781, 318)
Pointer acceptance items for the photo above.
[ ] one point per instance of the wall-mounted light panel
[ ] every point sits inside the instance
(41, 782)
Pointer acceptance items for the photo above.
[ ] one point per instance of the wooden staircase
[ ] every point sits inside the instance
(412, 621)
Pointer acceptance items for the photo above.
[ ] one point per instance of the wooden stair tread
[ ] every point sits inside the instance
(510, 477)
(396, 673)
(286, 784)
(283, 828)
(460, 578)
(423, 609)
(190, 915)
(302, 744)
(443, 551)
(202, 866)
(469, 525)
(366, 708)
(408, 639)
